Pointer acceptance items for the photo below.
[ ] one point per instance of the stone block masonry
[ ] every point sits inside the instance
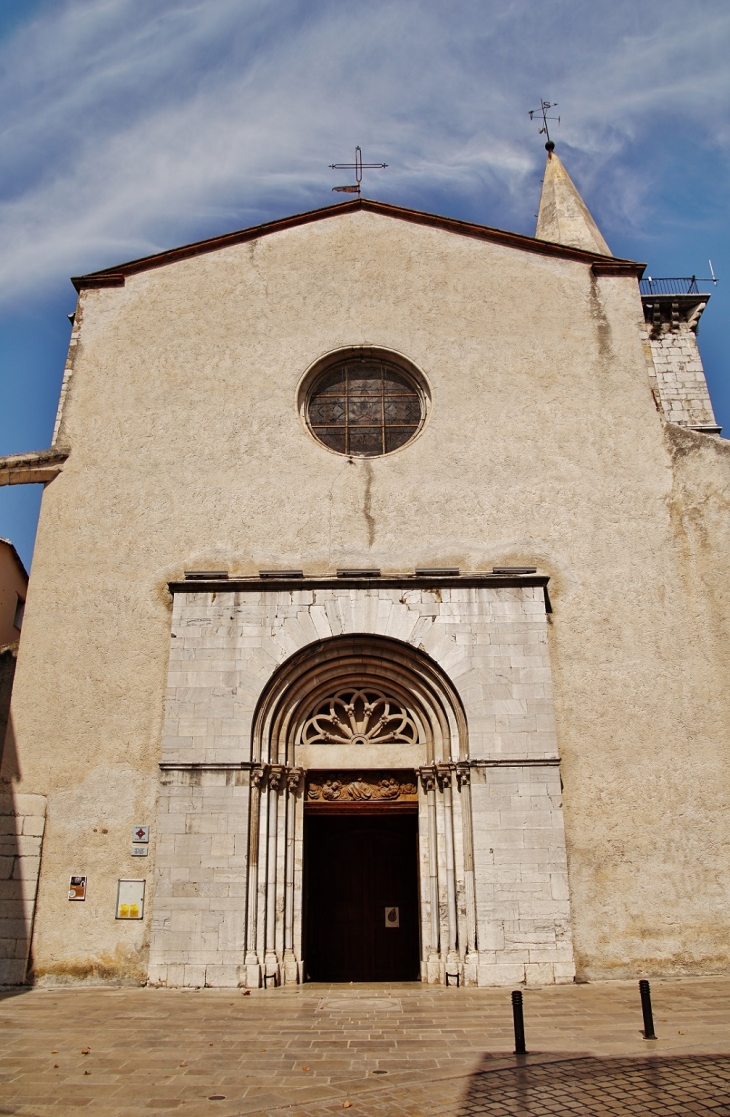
(491, 642)
(510, 906)
(681, 380)
(202, 855)
(22, 822)
(675, 364)
(523, 908)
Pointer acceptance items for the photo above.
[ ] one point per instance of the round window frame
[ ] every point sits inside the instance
(326, 363)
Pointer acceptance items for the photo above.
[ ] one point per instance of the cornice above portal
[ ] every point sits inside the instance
(468, 580)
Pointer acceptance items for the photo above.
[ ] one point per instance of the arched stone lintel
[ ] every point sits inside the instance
(311, 670)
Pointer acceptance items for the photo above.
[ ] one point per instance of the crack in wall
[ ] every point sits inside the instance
(368, 502)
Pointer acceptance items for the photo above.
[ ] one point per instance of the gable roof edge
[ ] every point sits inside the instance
(116, 276)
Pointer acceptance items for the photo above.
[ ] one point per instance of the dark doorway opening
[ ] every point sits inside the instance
(361, 889)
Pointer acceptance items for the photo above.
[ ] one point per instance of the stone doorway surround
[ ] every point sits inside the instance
(466, 661)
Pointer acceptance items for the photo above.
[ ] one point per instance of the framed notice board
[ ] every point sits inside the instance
(130, 899)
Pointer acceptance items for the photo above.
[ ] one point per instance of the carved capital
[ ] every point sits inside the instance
(257, 775)
(294, 778)
(277, 773)
(428, 777)
(443, 775)
(463, 773)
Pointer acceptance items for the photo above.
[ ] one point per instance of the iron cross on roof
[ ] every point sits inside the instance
(545, 107)
(357, 166)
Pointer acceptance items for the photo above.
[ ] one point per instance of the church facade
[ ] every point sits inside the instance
(377, 625)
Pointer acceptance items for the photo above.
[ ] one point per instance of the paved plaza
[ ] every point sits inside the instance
(371, 1050)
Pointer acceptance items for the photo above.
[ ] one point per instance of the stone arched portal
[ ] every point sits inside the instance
(254, 671)
(363, 763)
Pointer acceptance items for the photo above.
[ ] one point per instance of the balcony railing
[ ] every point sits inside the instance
(678, 285)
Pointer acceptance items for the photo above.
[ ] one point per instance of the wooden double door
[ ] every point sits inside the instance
(361, 897)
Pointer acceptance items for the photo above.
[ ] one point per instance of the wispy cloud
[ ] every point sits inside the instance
(130, 125)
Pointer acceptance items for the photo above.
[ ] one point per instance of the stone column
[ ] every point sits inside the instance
(277, 773)
(428, 783)
(463, 783)
(291, 964)
(443, 777)
(253, 962)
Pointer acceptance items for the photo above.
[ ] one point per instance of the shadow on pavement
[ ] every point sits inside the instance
(7, 991)
(591, 1086)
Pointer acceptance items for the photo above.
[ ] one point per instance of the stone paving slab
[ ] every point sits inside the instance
(589, 1087)
(310, 1050)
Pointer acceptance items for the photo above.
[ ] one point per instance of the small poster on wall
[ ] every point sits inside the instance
(392, 917)
(130, 899)
(77, 888)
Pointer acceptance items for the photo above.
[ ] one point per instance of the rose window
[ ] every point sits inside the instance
(360, 717)
(364, 407)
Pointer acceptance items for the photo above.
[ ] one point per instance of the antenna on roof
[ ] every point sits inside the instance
(357, 166)
(545, 107)
(712, 273)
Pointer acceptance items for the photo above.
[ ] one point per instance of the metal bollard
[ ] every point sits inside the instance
(519, 1023)
(645, 992)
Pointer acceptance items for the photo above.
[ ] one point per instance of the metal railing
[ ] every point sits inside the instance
(677, 285)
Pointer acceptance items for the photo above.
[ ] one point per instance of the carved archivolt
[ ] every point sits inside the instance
(360, 690)
(360, 717)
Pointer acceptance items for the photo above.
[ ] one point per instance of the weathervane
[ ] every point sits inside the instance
(545, 106)
(357, 166)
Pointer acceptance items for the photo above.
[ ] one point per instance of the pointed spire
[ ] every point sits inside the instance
(563, 216)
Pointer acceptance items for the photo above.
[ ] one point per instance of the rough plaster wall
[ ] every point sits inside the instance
(543, 446)
(664, 859)
(680, 378)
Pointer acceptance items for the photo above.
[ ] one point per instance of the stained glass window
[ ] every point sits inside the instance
(364, 407)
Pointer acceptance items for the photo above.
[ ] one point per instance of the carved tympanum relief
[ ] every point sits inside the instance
(341, 787)
(360, 717)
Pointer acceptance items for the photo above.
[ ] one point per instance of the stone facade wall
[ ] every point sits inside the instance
(199, 900)
(676, 365)
(543, 447)
(681, 380)
(22, 822)
(492, 643)
(523, 899)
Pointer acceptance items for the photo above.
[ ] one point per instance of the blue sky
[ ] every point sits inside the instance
(129, 126)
